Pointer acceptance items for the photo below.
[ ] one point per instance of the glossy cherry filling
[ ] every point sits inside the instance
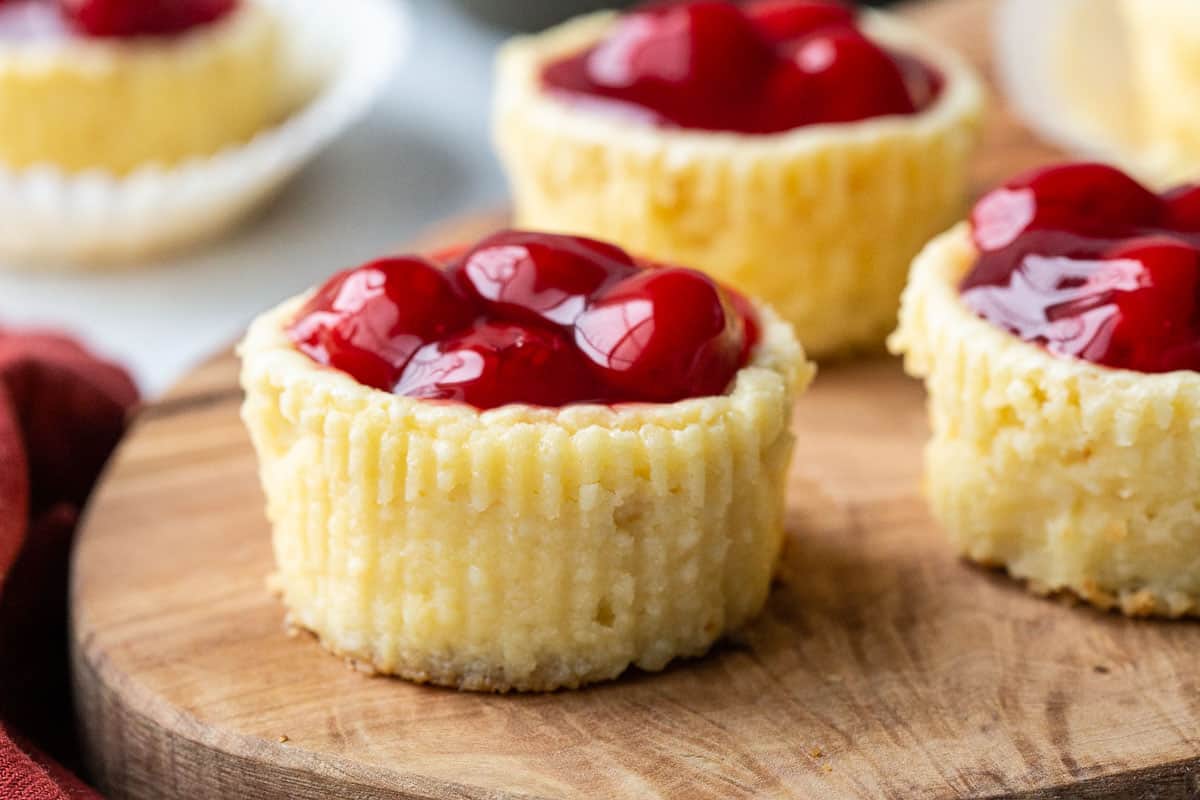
(1085, 261)
(532, 318)
(763, 67)
(45, 19)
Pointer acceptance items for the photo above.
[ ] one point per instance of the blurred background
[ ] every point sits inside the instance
(421, 156)
(517, 15)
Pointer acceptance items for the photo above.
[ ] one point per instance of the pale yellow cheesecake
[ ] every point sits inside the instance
(78, 103)
(820, 221)
(1074, 476)
(522, 547)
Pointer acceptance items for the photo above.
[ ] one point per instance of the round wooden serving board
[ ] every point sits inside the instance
(883, 666)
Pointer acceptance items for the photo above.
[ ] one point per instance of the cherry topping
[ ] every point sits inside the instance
(771, 66)
(663, 335)
(781, 20)
(124, 18)
(1085, 261)
(496, 363)
(1152, 286)
(842, 57)
(663, 50)
(532, 277)
(370, 320)
(533, 318)
(1084, 198)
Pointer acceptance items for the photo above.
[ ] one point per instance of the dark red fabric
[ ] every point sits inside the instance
(61, 413)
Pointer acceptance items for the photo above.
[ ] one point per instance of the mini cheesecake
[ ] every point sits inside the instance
(525, 466)
(790, 148)
(1058, 334)
(114, 85)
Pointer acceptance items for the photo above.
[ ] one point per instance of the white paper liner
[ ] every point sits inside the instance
(340, 54)
(1064, 66)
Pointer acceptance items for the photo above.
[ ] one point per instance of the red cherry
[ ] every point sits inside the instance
(663, 335)
(1081, 198)
(369, 321)
(540, 278)
(781, 20)
(854, 77)
(121, 18)
(790, 99)
(497, 363)
(1152, 284)
(702, 48)
(1183, 208)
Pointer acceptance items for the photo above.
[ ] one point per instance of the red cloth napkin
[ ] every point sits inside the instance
(61, 413)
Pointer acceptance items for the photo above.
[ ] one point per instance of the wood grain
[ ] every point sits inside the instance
(883, 667)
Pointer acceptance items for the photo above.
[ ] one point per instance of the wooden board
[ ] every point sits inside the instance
(883, 667)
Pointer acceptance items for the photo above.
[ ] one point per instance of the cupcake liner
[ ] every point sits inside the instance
(338, 55)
